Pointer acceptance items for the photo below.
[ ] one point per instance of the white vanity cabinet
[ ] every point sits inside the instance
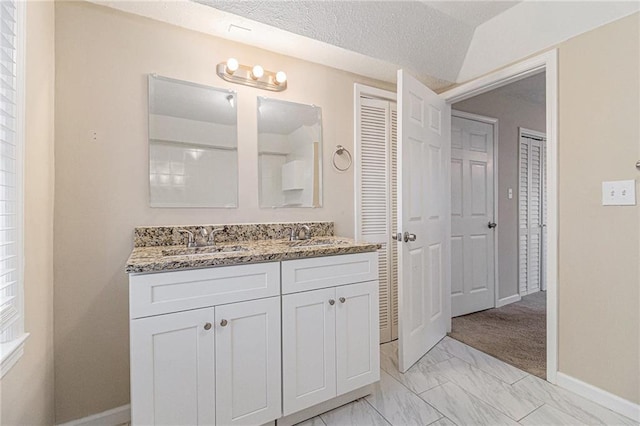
(218, 365)
(330, 335)
(254, 343)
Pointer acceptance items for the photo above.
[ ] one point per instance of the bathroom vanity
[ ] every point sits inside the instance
(253, 331)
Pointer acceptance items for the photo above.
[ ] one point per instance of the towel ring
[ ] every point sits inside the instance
(339, 151)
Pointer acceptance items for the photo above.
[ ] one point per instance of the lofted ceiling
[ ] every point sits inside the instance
(439, 42)
(423, 37)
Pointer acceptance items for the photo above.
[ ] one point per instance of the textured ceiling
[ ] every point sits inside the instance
(439, 42)
(419, 38)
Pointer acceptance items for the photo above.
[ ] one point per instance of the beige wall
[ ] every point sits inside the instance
(599, 251)
(511, 112)
(27, 390)
(103, 57)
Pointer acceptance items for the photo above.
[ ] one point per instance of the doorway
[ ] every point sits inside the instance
(510, 327)
(431, 113)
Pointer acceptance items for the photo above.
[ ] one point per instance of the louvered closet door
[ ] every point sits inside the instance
(531, 200)
(393, 252)
(543, 262)
(523, 216)
(375, 184)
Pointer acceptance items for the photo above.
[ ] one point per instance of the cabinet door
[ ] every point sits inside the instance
(172, 369)
(248, 363)
(308, 349)
(357, 336)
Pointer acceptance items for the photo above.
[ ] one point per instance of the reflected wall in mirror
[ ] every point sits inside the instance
(289, 154)
(193, 144)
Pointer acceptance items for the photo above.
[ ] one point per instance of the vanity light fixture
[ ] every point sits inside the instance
(255, 76)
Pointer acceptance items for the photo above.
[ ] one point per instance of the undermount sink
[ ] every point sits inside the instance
(319, 242)
(191, 251)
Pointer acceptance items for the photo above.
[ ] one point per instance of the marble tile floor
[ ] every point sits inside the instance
(455, 384)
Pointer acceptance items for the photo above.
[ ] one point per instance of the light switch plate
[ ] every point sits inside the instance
(510, 193)
(619, 193)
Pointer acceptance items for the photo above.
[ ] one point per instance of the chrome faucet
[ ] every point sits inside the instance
(207, 238)
(307, 232)
(294, 232)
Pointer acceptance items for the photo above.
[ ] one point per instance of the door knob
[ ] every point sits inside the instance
(223, 323)
(492, 225)
(409, 237)
(332, 302)
(342, 300)
(207, 326)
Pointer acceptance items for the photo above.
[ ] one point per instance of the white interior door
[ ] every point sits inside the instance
(423, 212)
(472, 210)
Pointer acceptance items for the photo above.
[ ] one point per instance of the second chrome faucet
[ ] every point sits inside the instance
(207, 238)
(294, 232)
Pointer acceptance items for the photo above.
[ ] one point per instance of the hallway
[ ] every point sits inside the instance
(515, 333)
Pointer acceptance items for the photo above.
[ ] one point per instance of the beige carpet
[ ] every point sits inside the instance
(515, 333)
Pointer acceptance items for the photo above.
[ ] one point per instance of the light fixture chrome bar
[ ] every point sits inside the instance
(244, 75)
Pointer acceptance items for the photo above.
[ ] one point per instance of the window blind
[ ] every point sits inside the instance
(10, 179)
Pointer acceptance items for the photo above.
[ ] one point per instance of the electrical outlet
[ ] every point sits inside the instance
(619, 193)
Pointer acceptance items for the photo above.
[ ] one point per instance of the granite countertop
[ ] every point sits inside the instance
(170, 258)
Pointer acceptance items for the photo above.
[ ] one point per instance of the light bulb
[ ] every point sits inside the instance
(281, 77)
(232, 65)
(257, 72)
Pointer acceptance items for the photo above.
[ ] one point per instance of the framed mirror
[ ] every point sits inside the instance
(289, 154)
(193, 144)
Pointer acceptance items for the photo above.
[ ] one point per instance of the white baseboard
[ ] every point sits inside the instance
(507, 300)
(599, 396)
(115, 416)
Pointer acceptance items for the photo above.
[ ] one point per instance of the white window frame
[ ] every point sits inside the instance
(11, 351)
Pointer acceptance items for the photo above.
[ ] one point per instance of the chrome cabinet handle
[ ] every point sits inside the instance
(332, 302)
(223, 323)
(207, 326)
(342, 300)
(409, 237)
(492, 225)
(397, 237)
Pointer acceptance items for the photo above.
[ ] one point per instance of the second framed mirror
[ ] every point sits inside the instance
(289, 154)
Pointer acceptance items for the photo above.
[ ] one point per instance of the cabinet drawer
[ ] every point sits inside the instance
(329, 271)
(164, 292)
